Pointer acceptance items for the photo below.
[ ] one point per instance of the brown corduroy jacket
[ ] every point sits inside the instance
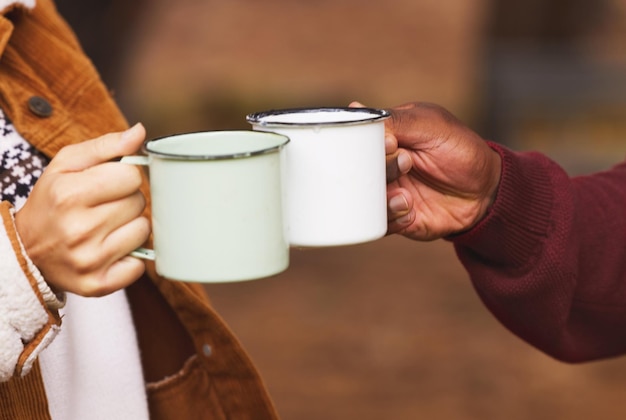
(194, 366)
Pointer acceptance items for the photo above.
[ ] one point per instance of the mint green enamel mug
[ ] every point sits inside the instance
(217, 205)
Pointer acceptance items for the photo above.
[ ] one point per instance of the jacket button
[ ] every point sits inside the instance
(207, 350)
(39, 106)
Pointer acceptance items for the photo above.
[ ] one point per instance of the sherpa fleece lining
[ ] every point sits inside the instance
(29, 318)
(4, 4)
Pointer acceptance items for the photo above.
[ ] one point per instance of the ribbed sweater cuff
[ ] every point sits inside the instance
(513, 230)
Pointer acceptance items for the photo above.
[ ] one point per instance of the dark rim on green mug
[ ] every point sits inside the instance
(238, 155)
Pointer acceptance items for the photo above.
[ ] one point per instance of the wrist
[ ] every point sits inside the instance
(53, 299)
(489, 191)
(494, 175)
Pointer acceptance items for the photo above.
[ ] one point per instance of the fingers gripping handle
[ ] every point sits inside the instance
(142, 253)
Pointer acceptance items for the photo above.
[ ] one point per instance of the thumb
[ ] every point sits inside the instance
(356, 104)
(78, 157)
(403, 119)
(420, 121)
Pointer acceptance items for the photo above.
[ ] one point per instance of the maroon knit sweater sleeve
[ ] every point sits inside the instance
(549, 260)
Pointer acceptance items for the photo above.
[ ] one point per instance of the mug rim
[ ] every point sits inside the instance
(238, 155)
(256, 118)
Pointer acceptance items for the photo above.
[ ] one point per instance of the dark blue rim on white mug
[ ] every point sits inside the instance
(176, 156)
(260, 118)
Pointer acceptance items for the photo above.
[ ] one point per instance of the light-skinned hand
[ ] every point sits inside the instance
(83, 217)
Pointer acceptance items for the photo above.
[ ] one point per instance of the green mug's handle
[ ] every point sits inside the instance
(135, 160)
(143, 253)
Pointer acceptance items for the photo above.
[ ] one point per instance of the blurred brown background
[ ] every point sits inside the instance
(390, 329)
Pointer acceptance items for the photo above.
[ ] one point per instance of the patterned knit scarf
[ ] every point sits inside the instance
(21, 164)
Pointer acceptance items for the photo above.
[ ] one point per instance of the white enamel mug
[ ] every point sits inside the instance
(336, 188)
(217, 208)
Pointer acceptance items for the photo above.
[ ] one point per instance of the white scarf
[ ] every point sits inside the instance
(92, 369)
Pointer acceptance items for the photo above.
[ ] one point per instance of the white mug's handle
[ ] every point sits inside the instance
(143, 253)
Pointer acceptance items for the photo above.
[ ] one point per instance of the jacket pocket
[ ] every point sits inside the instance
(189, 394)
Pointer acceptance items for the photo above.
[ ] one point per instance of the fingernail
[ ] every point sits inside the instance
(404, 220)
(405, 163)
(390, 143)
(130, 132)
(398, 204)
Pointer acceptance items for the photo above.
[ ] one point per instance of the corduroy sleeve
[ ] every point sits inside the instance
(549, 260)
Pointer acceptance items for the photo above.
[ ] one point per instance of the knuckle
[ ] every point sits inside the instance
(64, 153)
(84, 262)
(75, 232)
(99, 179)
(134, 174)
(63, 195)
(91, 286)
(140, 203)
(131, 175)
(101, 145)
(144, 228)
